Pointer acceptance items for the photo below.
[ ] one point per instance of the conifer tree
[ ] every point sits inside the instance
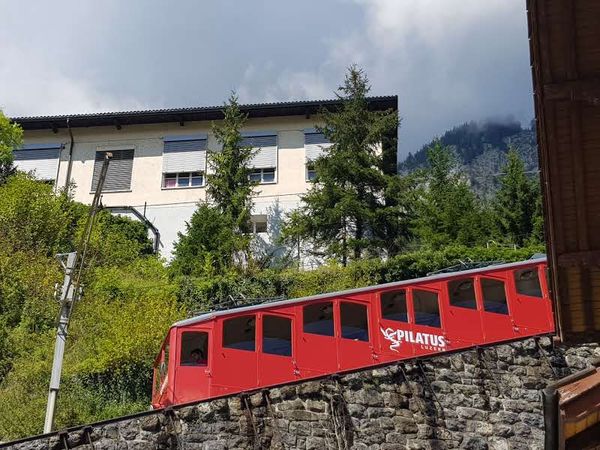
(447, 211)
(340, 213)
(217, 232)
(517, 202)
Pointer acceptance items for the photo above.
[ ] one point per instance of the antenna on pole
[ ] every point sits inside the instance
(73, 265)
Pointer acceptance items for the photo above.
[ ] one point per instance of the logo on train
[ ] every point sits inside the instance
(425, 340)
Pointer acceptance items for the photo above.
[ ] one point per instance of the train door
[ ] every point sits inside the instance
(276, 353)
(428, 333)
(235, 361)
(162, 392)
(531, 309)
(355, 339)
(462, 317)
(393, 326)
(317, 350)
(495, 315)
(192, 372)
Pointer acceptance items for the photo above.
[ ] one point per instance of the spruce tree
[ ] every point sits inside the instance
(340, 214)
(216, 237)
(447, 211)
(517, 202)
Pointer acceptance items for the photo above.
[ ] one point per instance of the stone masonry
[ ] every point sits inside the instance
(480, 399)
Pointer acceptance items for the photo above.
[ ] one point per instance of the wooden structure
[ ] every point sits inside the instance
(565, 55)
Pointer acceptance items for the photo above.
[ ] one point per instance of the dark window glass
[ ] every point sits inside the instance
(318, 319)
(256, 176)
(494, 296)
(277, 335)
(260, 227)
(183, 179)
(354, 321)
(462, 293)
(268, 175)
(427, 310)
(194, 348)
(393, 306)
(239, 333)
(528, 282)
(197, 179)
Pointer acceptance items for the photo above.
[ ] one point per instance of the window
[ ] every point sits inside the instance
(427, 309)
(194, 348)
(183, 180)
(494, 296)
(118, 176)
(393, 306)
(266, 175)
(462, 293)
(311, 171)
(39, 159)
(277, 335)
(161, 370)
(528, 282)
(238, 333)
(318, 319)
(354, 321)
(258, 224)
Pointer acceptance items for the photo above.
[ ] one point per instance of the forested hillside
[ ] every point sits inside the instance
(481, 148)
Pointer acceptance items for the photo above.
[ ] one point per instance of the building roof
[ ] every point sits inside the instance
(205, 317)
(182, 115)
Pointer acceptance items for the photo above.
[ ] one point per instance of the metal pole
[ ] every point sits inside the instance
(68, 296)
(66, 303)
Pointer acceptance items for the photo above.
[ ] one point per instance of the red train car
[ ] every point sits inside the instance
(226, 352)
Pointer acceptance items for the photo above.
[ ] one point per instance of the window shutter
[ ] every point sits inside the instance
(184, 154)
(118, 177)
(314, 145)
(41, 159)
(267, 155)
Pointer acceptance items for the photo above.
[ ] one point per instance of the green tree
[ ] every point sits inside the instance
(341, 214)
(447, 211)
(217, 233)
(11, 137)
(517, 205)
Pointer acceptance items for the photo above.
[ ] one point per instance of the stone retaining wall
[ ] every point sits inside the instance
(486, 399)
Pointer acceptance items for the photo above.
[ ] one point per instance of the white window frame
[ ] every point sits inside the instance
(310, 164)
(259, 219)
(262, 174)
(177, 176)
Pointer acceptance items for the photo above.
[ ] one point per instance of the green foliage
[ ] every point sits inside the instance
(216, 235)
(517, 203)
(11, 137)
(343, 211)
(447, 211)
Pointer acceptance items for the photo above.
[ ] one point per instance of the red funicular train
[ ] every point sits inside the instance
(225, 352)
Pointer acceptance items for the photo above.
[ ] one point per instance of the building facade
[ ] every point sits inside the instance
(159, 163)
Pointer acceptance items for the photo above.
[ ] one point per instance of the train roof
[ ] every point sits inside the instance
(441, 276)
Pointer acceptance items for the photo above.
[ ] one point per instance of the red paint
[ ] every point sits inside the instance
(411, 328)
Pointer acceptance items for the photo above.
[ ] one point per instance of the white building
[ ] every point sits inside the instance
(159, 157)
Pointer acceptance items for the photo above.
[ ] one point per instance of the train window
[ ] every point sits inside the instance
(528, 282)
(427, 309)
(462, 293)
(318, 319)
(393, 306)
(277, 335)
(354, 321)
(194, 348)
(239, 333)
(494, 296)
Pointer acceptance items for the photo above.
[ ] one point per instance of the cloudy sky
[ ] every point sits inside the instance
(449, 61)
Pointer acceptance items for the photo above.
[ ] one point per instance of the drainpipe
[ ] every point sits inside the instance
(70, 162)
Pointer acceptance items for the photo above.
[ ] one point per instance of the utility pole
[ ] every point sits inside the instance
(70, 293)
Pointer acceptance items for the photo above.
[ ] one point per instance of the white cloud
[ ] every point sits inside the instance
(30, 84)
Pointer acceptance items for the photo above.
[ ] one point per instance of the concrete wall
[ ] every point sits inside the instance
(169, 209)
(473, 400)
